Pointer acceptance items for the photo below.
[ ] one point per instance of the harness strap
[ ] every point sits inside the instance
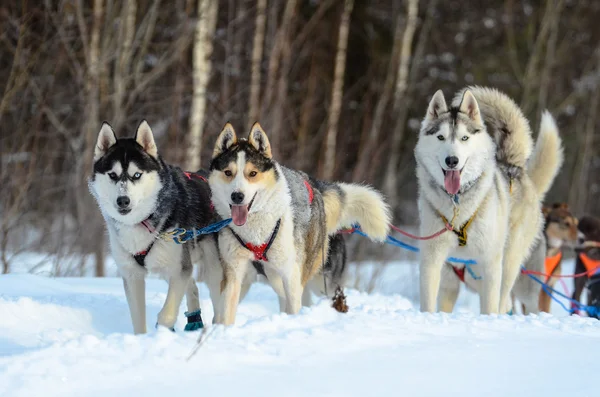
(190, 174)
(462, 232)
(591, 265)
(311, 194)
(140, 257)
(460, 272)
(551, 263)
(259, 251)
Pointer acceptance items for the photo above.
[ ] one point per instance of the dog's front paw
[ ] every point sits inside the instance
(172, 329)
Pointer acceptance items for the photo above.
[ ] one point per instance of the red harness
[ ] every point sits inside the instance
(460, 272)
(260, 251)
(190, 174)
(311, 194)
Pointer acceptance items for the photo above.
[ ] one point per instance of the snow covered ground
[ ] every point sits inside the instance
(71, 337)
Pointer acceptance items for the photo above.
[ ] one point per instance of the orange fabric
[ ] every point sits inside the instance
(551, 263)
(590, 264)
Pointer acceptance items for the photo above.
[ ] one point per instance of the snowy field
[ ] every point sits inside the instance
(72, 337)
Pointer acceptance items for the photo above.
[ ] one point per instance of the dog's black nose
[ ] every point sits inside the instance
(123, 201)
(452, 161)
(237, 197)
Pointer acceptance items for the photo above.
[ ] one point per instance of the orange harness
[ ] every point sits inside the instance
(551, 263)
(591, 265)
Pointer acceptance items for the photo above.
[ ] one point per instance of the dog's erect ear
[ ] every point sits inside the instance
(258, 139)
(469, 106)
(106, 138)
(145, 138)
(437, 105)
(226, 139)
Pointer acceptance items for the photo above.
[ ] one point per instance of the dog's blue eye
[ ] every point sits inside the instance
(137, 176)
(465, 138)
(440, 137)
(113, 176)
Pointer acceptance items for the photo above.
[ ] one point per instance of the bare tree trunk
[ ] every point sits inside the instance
(257, 51)
(335, 106)
(308, 106)
(83, 200)
(545, 77)
(125, 40)
(513, 53)
(391, 179)
(372, 140)
(281, 55)
(530, 79)
(143, 51)
(205, 30)
(227, 63)
(583, 179)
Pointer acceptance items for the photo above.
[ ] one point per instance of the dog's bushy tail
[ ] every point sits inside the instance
(547, 157)
(357, 204)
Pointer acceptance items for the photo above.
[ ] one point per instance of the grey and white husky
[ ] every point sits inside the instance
(141, 197)
(478, 170)
(282, 220)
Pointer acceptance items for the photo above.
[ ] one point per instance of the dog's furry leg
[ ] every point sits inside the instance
(217, 302)
(433, 256)
(192, 297)
(545, 301)
(230, 295)
(515, 254)
(292, 287)
(449, 289)
(178, 285)
(306, 297)
(531, 305)
(491, 282)
(135, 291)
(282, 304)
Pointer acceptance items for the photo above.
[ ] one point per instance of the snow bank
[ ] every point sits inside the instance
(71, 337)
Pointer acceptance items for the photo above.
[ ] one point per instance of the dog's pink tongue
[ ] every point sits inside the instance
(452, 181)
(239, 214)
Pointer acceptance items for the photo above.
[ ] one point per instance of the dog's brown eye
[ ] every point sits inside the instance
(440, 137)
(252, 174)
(228, 173)
(113, 176)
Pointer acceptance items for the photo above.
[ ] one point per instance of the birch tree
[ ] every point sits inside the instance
(391, 177)
(257, 54)
(337, 91)
(203, 46)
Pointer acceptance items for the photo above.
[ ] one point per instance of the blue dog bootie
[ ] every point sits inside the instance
(194, 321)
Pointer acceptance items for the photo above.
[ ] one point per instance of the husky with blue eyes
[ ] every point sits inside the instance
(479, 172)
(141, 197)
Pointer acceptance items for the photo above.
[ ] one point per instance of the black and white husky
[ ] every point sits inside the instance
(141, 197)
(281, 221)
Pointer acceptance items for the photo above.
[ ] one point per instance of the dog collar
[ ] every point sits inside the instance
(259, 251)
